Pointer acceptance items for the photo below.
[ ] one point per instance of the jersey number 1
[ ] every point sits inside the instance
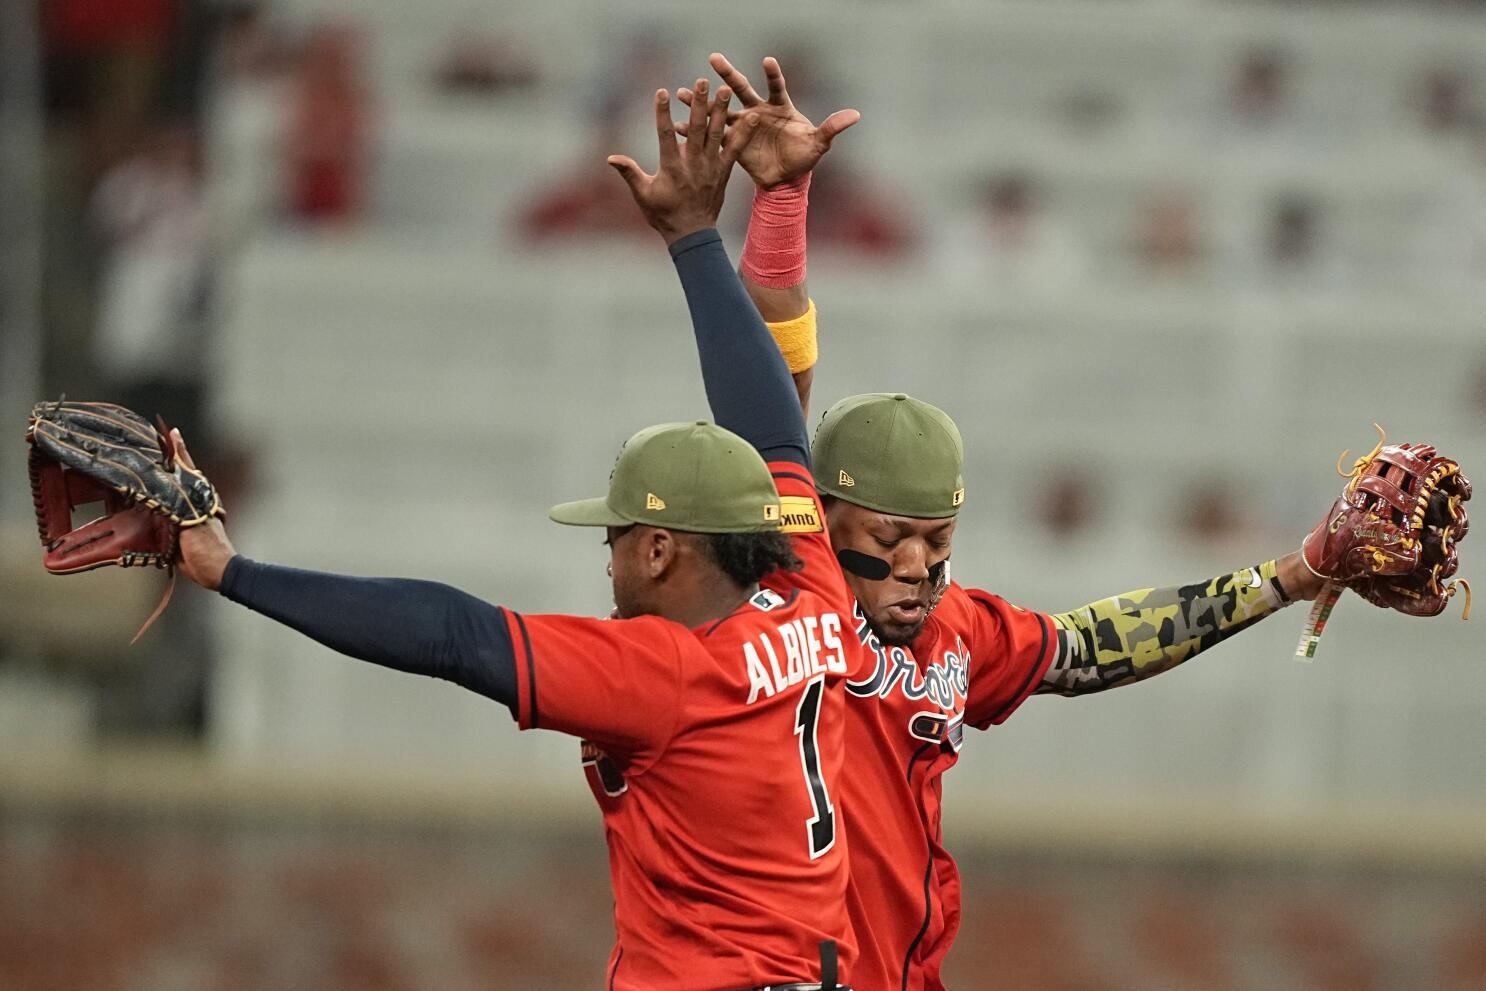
(821, 828)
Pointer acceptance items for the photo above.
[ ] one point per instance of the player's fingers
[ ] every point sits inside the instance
(630, 172)
(737, 138)
(683, 126)
(774, 76)
(835, 124)
(178, 445)
(718, 118)
(746, 95)
(665, 130)
(696, 125)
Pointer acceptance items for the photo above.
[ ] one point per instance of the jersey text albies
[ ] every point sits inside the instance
(716, 757)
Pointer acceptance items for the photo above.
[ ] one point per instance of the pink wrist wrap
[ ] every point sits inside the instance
(774, 253)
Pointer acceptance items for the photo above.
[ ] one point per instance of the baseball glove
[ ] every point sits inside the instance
(85, 453)
(1392, 535)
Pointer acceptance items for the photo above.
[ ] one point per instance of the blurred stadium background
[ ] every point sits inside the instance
(1162, 259)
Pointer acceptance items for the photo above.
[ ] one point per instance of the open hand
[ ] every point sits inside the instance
(204, 548)
(785, 145)
(685, 194)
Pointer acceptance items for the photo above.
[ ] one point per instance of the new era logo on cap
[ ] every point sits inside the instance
(958, 497)
(654, 502)
(846, 479)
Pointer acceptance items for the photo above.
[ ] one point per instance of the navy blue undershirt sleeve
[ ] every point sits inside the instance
(414, 626)
(749, 386)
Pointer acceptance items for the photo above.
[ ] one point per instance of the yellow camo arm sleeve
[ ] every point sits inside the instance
(1130, 637)
(796, 340)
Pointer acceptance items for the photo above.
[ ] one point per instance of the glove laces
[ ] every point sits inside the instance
(1362, 462)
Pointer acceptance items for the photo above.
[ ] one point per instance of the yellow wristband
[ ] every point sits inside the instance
(796, 340)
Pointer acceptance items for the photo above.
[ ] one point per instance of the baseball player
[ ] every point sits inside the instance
(711, 710)
(936, 656)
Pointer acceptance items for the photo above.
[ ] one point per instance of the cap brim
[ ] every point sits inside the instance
(586, 512)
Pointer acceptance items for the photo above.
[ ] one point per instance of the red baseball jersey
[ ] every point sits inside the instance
(977, 659)
(715, 755)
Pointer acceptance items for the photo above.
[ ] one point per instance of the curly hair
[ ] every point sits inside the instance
(747, 557)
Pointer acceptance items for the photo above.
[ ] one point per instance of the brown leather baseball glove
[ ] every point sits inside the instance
(1392, 535)
(87, 453)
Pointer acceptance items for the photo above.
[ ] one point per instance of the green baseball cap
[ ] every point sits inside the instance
(695, 477)
(892, 453)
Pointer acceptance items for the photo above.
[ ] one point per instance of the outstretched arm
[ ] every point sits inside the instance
(780, 158)
(1131, 637)
(413, 626)
(418, 627)
(748, 385)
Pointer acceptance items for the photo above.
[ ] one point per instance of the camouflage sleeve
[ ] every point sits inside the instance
(1133, 636)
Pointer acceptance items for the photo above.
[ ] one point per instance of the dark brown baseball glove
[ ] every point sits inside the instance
(87, 453)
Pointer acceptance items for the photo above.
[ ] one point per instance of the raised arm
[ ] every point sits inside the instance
(748, 385)
(780, 158)
(1131, 637)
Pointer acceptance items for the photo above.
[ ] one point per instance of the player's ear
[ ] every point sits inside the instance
(842, 520)
(660, 548)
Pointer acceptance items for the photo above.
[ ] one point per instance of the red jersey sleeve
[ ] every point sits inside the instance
(1010, 651)
(614, 682)
(804, 520)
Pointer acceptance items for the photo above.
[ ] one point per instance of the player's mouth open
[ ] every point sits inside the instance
(907, 612)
